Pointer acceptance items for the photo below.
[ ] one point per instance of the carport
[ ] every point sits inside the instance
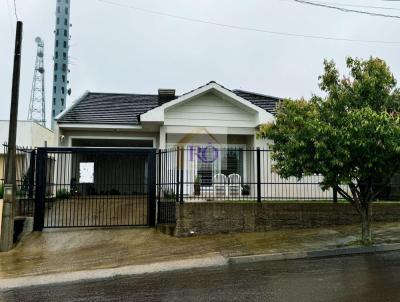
(95, 187)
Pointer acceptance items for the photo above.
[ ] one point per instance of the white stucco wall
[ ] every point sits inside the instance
(29, 134)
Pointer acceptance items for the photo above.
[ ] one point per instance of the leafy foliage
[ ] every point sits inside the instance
(169, 194)
(63, 194)
(351, 136)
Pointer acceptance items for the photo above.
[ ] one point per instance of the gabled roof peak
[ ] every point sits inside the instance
(124, 108)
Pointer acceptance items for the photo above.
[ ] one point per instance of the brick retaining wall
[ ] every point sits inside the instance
(222, 217)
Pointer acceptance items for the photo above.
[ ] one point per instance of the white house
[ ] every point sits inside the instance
(162, 120)
(207, 119)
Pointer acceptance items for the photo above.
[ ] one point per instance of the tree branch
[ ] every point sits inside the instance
(344, 194)
(356, 199)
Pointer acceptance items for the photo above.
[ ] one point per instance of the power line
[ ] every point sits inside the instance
(245, 28)
(352, 5)
(15, 10)
(346, 10)
(10, 18)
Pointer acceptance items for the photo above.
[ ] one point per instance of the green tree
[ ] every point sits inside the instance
(350, 136)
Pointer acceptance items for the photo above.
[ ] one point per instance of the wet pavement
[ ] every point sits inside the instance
(91, 249)
(357, 278)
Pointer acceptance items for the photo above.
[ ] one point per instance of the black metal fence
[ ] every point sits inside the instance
(25, 178)
(207, 173)
(127, 182)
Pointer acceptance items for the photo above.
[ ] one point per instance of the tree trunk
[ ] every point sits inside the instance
(366, 217)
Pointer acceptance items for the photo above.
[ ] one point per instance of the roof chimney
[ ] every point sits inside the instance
(165, 95)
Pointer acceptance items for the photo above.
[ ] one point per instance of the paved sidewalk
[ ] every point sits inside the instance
(73, 251)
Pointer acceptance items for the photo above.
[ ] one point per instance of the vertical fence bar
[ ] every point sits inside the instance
(182, 150)
(38, 222)
(159, 152)
(31, 178)
(177, 175)
(258, 159)
(151, 185)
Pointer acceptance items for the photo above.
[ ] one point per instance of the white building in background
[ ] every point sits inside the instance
(60, 77)
(29, 134)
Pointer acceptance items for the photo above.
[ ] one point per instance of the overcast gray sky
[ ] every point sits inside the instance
(119, 49)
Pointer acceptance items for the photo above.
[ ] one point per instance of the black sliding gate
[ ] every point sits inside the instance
(95, 187)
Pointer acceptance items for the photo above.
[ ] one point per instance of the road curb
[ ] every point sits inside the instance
(315, 254)
(213, 260)
(98, 274)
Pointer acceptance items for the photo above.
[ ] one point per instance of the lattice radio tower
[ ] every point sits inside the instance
(37, 105)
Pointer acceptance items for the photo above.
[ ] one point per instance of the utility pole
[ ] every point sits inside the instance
(7, 225)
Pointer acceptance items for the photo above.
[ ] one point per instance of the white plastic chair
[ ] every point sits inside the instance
(219, 183)
(234, 185)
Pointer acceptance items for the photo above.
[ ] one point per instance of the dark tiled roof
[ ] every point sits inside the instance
(115, 108)
(110, 108)
(266, 102)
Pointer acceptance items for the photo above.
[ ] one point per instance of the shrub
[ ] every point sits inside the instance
(63, 194)
(169, 194)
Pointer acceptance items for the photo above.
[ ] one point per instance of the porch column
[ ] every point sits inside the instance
(163, 138)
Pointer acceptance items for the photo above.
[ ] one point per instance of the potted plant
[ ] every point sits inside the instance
(246, 190)
(169, 194)
(63, 194)
(197, 185)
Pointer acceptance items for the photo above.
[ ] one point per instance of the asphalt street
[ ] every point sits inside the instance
(353, 278)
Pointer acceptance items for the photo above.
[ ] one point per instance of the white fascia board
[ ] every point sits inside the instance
(157, 114)
(213, 130)
(98, 126)
(265, 117)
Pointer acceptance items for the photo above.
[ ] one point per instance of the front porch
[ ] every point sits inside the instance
(200, 173)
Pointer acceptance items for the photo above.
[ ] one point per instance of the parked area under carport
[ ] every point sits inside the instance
(94, 187)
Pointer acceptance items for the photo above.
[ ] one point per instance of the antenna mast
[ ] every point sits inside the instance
(37, 105)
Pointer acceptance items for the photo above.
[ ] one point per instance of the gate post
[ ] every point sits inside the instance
(40, 195)
(152, 188)
(31, 178)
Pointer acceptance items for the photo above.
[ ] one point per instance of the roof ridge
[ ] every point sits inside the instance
(258, 94)
(123, 93)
